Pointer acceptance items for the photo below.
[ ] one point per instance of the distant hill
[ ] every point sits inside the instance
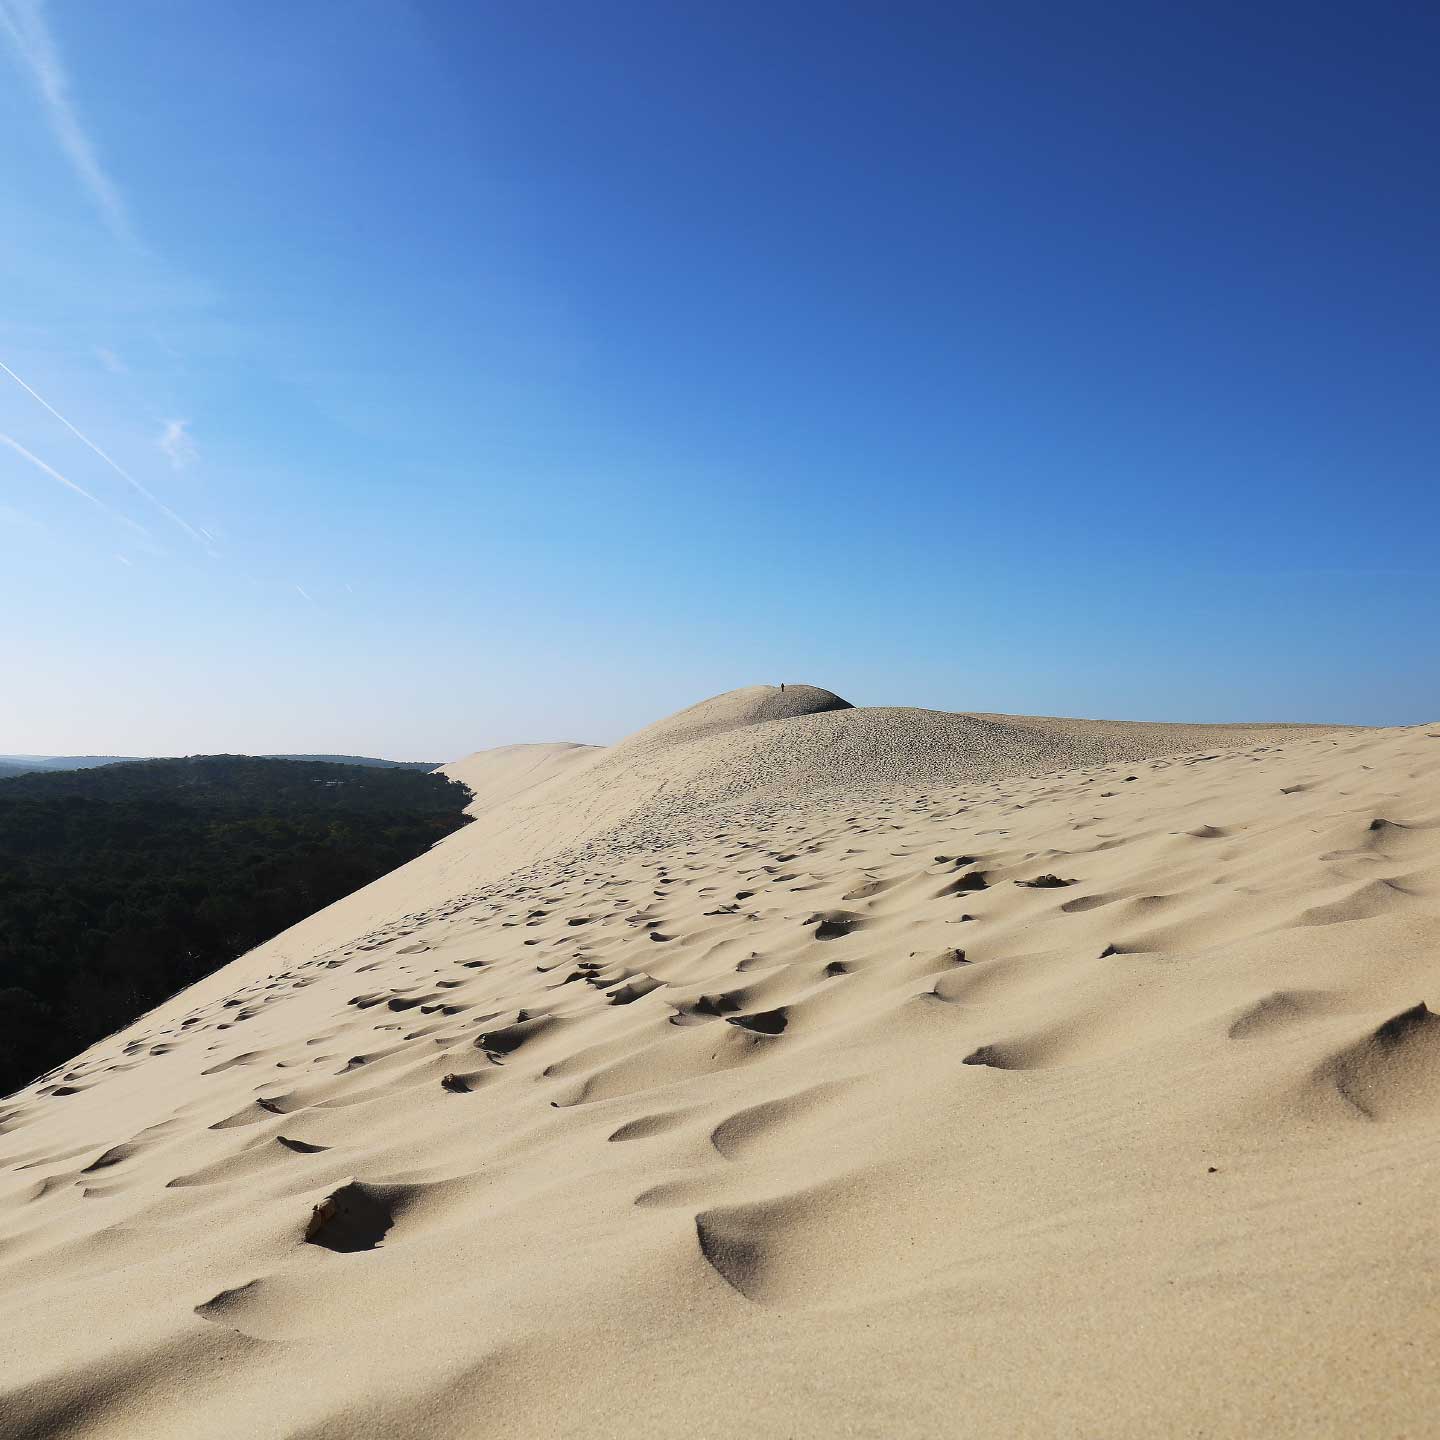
(11, 765)
(364, 760)
(28, 763)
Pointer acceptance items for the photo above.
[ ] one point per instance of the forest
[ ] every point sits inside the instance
(123, 884)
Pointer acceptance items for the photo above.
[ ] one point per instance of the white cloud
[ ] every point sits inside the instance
(110, 360)
(175, 440)
(23, 21)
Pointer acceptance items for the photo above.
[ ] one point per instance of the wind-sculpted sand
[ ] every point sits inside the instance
(785, 1070)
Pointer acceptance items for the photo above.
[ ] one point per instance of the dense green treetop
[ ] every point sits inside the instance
(122, 884)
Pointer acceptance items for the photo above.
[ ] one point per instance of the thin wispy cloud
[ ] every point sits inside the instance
(303, 591)
(110, 360)
(69, 484)
(120, 470)
(178, 444)
(24, 23)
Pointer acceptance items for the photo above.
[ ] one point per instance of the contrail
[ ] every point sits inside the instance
(55, 475)
(24, 21)
(124, 474)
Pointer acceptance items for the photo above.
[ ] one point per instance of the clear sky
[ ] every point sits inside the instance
(456, 374)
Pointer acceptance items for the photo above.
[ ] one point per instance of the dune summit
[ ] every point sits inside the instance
(787, 1069)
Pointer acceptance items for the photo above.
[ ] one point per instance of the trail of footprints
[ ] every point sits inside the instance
(619, 981)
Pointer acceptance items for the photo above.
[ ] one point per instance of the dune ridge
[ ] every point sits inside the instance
(787, 1069)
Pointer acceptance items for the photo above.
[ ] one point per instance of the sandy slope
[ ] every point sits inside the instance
(495, 777)
(741, 1079)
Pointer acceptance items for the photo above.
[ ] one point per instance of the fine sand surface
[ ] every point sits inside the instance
(786, 1070)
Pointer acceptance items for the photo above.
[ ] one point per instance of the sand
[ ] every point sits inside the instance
(785, 1070)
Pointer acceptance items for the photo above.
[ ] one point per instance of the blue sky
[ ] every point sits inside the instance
(447, 375)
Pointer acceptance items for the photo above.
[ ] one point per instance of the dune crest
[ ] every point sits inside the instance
(786, 1069)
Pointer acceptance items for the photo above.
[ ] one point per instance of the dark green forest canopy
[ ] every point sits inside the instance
(229, 780)
(121, 885)
(30, 764)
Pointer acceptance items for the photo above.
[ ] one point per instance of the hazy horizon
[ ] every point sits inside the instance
(610, 737)
(407, 378)
(123, 755)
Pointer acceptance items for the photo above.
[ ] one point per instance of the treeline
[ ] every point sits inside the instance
(121, 885)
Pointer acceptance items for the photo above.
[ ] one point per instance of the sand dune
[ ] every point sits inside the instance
(785, 1070)
(497, 776)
